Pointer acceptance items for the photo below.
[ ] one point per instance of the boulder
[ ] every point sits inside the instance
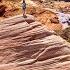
(54, 19)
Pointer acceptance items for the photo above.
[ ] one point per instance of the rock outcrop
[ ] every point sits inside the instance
(25, 44)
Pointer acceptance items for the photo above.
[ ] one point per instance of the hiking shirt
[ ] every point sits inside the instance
(24, 5)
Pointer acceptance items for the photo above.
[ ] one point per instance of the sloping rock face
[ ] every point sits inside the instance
(26, 44)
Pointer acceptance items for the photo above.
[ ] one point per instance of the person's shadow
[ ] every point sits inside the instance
(25, 16)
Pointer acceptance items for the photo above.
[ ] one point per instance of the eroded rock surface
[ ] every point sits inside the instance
(25, 44)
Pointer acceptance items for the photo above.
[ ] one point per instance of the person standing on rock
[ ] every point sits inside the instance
(24, 8)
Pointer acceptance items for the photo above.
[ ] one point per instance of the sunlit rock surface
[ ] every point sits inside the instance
(25, 44)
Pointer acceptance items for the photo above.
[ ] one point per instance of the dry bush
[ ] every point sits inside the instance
(2, 10)
(11, 8)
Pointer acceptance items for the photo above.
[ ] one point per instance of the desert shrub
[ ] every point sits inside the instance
(65, 34)
(2, 10)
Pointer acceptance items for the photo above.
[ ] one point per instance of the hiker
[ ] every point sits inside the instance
(24, 8)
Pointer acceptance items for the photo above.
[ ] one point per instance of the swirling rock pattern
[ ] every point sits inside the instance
(25, 44)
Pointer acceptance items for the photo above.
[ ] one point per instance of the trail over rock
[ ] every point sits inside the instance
(25, 44)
